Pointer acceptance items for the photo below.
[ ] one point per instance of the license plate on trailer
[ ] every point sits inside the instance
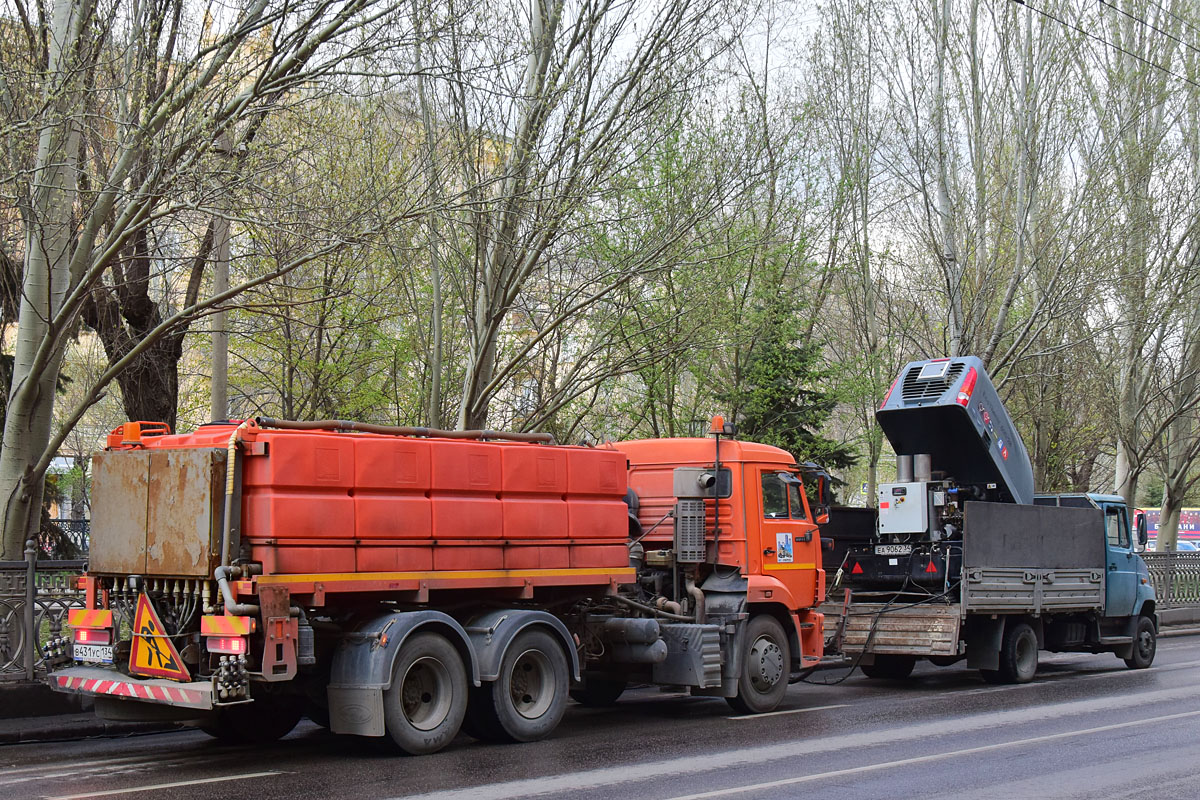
(95, 653)
(893, 549)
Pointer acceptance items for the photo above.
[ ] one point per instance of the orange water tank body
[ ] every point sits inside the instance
(326, 501)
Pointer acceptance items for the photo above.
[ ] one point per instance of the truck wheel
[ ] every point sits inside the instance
(528, 700)
(765, 667)
(598, 692)
(269, 717)
(1145, 643)
(1019, 654)
(890, 667)
(424, 707)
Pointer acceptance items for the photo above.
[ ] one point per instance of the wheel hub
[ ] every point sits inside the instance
(531, 686)
(426, 693)
(766, 664)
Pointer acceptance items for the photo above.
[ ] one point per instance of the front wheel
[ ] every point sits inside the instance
(765, 667)
(1145, 643)
(424, 707)
(528, 700)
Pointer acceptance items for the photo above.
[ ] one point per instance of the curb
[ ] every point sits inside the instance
(72, 727)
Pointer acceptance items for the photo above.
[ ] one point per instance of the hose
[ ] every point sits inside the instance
(230, 472)
(653, 610)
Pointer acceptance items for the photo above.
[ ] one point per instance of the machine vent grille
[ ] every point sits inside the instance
(689, 531)
(913, 389)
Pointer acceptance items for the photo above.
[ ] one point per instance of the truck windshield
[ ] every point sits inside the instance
(1115, 527)
(781, 496)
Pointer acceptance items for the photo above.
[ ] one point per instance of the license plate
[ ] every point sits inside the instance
(96, 653)
(893, 549)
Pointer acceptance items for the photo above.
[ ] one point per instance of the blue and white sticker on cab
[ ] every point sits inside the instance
(783, 548)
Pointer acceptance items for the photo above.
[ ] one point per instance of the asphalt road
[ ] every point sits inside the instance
(1085, 728)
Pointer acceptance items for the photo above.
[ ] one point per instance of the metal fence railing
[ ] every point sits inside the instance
(1175, 577)
(35, 596)
(65, 539)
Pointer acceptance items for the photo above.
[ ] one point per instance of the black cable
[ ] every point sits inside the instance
(1104, 41)
(1150, 25)
(1171, 13)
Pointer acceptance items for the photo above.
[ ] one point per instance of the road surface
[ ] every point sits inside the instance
(1086, 727)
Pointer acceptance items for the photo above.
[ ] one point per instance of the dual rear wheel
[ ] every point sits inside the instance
(430, 698)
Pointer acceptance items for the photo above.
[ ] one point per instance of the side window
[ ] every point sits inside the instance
(794, 502)
(1115, 527)
(775, 501)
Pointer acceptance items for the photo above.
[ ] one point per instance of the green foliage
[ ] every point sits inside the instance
(778, 401)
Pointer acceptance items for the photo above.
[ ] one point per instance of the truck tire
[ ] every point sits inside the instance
(889, 667)
(598, 692)
(766, 666)
(527, 701)
(268, 718)
(1018, 656)
(424, 707)
(1145, 643)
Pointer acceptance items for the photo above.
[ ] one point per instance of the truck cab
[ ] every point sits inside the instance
(1127, 589)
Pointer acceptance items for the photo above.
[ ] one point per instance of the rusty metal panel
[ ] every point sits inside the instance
(925, 630)
(119, 484)
(184, 495)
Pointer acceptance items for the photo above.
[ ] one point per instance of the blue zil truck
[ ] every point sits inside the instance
(967, 562)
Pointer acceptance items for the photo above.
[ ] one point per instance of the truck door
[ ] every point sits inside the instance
(788, 536)
(1122, 570)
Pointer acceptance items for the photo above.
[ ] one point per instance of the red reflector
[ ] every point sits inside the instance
(931, 568)
(968, 387)
(235, 645)
(92, 636)
(857, 569)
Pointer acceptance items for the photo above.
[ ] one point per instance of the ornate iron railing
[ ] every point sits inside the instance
(1175, 577)
(35, 596)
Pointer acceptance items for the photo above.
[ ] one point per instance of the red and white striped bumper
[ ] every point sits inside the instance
(93, 680)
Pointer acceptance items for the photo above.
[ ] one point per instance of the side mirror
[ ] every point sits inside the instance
(1142, 536)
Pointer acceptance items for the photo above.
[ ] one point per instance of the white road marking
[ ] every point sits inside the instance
(903, 762)
(172, 785)
(789, 711)
(776, 753)
(78, 764)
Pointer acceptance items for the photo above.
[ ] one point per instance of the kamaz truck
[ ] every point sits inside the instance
(967, 562)
(406, 583)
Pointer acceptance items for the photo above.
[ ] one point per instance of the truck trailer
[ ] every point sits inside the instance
(406, 583)
(966, 562)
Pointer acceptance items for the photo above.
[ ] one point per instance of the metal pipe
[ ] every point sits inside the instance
(230, 464)
(923, 467)
(697, 597)
(652, 610)
(904, 469)
(396, 430)
(222, 575)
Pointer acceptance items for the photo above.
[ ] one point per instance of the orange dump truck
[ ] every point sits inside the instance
(408, 583)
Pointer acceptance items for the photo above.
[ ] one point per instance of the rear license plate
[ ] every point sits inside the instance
(893, 549)
(96, 653)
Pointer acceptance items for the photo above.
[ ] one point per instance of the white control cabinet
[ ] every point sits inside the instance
(903, 508)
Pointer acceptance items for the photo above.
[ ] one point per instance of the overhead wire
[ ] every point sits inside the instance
(1107, 43)
(1151, 26)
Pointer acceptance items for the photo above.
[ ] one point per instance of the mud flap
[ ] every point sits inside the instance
(984, 637)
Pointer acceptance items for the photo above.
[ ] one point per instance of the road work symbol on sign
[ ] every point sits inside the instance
(153, 653)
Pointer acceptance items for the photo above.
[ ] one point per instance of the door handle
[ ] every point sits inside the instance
(1112, 567)
(770, 551)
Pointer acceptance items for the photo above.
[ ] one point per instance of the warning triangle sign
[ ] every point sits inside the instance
(153, 653)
